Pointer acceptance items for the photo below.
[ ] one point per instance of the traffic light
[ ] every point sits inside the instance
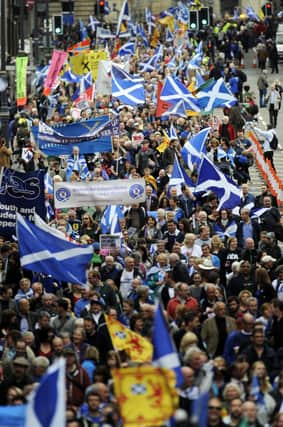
(57, 25)
(268, 9)
(203, 18)
(101, 7)
(193, 20)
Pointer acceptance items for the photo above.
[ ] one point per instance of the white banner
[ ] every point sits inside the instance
(112, 192)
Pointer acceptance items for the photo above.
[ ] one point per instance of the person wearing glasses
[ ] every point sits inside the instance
(214, 413)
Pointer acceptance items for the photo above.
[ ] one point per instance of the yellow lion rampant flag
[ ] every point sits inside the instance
(137, 347)
(146, 395)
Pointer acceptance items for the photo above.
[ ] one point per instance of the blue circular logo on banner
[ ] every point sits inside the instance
(135, 191)
(63, 194)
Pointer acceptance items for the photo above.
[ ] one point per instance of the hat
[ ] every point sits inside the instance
(21, 361)
(69, 351)
(96, 300)
(267, 258)
(270, 235)
(206, 265)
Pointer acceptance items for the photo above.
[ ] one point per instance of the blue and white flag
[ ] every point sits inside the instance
(48, 185)
(215, 94)
(178, 110)
(92, 136)
(107, 8)
(229, 231)
(85, 91)
(93, 22)
(164, 353)
(195, 61)
(174, 91)
(199, 79)
(256, 393)
(193, 150)
(172, 132)
(169, 37)
(47, 405)
(149, 65)
(200, 404)
(44, 249)
(251, 14)
(123, 16)
(142, 35)
(127, 49)
(110, 221)
(128, 89)
(179, 178)
(150, 20)
(70, 77)
(212, 179)
(83, 30)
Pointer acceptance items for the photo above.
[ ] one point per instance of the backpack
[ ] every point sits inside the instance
(274, 142)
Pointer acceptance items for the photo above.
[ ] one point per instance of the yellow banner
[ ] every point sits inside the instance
(83, 63)
(146, 395)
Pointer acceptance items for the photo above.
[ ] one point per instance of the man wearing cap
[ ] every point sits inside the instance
(77, 379)
(270, 247)
(95, 309)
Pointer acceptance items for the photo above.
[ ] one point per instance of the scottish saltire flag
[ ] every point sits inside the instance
(199, 79)
(110, 221)
(127, 49)
(178, 110)
(215, 94)
(40, 75)
(48, 185)
(128, 89)
(123, 16)
(13, 416)
(44, 249)
(193, 149)
(199, 48)
(164, 352)
(256, 393)
(142, 35)
(200, 405)
(257, 213)
(179, 178)
(212, 179)
(251, 14)
(236, 14)
(150, 20)
(149, 65)
(172, 132)
(195, 62)
(183, 14)
(93, 22)
(230, 231)
(174, 90)
(70, 77)
(107, 8)
(169, 37)
(85, 90)
(83, 30)
(47, 405)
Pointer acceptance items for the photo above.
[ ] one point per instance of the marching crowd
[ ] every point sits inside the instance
(219, 275)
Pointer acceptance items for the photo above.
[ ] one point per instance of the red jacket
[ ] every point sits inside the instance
(191, 304)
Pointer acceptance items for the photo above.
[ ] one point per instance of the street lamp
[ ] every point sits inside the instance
(4, 109)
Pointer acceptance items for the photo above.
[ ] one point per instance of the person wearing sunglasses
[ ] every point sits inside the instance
(214, 413)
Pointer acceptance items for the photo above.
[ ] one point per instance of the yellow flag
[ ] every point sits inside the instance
(169, 21)
(146, 395)
(137, 347)
(261, 15)
(164, 144)
(85, 62)
(155, 37)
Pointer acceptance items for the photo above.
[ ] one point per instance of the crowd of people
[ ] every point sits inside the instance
(219, 275)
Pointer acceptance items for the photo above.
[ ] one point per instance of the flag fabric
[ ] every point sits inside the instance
(57, 61)
(107, 8)
(150, 20)
(109, 223)
(161, 106)
(174, 91)
(193, 149)
(21, 80)
(164, 144)
(199, 79)
(200, 404)
(256, 393)
(123, 16)
(83, 30)
(149, 65)
(70, 77)
(128, 89)
(179, 177)
(141, 33)
(93, 22)
(212, 179)
(47, 405)
(172, 132)
(164, 352)
(213, 95)
(251, 14)
(146, 395)
(127, 49)
(44, 249)
(229, 231)
(48, 185)
(195, 62)
(178, 110)
(138, 348)
(169, 37)
(85, 91)
(13, 416)
(79, 47)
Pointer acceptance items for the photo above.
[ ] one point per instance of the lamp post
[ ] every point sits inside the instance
(4, 109)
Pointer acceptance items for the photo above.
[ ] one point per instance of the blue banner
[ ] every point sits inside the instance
(23, 193)
(92, 136)
(13, 416)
